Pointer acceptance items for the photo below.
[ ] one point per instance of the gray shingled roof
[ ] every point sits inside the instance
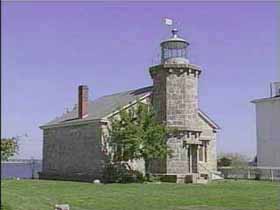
(103, 106)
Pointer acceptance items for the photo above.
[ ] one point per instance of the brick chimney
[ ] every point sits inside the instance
(83, 101)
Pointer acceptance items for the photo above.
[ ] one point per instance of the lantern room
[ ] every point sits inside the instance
(174, 50)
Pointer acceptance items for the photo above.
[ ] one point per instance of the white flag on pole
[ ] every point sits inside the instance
(168, 21)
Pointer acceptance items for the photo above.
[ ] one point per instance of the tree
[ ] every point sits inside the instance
(9, 147)
(136, 134)
(224, 161)
(234, 160)
(238, 164)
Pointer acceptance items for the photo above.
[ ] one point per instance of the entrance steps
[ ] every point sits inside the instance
(217, 175)
(194, 178)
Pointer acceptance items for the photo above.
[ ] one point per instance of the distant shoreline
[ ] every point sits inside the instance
(21, 160)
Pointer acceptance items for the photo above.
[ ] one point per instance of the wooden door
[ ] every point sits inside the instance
(194, 158)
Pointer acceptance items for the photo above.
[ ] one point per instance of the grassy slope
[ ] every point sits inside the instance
(42, 195)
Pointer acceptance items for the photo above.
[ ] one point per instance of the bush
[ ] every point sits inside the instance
(162, 178)
(153, 178)
(169, 178)
(119, 173)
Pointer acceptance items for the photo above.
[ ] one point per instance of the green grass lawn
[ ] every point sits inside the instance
(43, 195)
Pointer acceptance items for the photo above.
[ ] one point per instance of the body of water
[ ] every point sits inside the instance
(21, 169)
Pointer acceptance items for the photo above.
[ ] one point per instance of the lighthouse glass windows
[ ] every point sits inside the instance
(173, 49)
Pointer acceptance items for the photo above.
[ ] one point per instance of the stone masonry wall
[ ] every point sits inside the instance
(73, 151)
(181, 98)
(176, 103)
(178, 163)
(175, 99)
(175, 95)
(159, 95)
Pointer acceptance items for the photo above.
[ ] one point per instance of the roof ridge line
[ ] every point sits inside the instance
(150, 86)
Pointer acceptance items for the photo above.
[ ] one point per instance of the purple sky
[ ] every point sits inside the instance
(48, 49)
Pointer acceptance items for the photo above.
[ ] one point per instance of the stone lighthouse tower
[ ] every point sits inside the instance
(175, 100)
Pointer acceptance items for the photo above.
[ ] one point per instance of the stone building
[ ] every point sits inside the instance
(75, 144)
(268, 128)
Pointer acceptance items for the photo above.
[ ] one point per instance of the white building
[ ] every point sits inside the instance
(268, 128)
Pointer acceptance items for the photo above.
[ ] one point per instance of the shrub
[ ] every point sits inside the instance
(153, 178)
(169, 178)
(120, 173)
